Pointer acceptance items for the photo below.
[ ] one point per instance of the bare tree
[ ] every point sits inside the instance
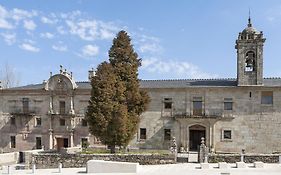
(8, 77)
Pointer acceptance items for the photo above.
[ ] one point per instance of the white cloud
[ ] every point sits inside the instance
(47, 35)
(29, 24)
(60, 47)
(19, 14)
(29, 47)
(150, 48)
(9, 38)
(46, 20)
(89, 51)
(174, 69)
(148, 44)
(3, 19)
(61, 30)
(90, 30)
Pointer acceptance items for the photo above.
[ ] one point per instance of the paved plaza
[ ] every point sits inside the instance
(171, 169)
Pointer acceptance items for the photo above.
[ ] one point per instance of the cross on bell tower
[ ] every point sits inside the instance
(249, 47)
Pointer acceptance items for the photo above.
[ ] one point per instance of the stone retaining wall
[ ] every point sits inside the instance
(80, 160)
(232, 158)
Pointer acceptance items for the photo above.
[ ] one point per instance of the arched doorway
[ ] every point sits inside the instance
(196, 132)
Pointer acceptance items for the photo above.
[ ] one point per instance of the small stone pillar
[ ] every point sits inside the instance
(71, 138)
(51, 110)
(50, 139)
(203, 152)
(174, 148)
(242, 155)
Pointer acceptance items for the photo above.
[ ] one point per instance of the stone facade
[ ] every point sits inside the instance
(232, 114)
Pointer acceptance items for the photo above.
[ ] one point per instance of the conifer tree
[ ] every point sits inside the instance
(116, 100)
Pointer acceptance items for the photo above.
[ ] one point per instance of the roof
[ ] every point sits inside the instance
(172, 83)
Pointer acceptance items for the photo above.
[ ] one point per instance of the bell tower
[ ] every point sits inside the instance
(249, 46)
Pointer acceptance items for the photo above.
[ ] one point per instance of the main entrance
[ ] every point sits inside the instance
(62, 143)
(196, 132)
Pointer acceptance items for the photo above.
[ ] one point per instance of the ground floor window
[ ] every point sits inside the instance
(167, 134)
(38, 142)
(84, 142)
(62, 122)
(13, 141)
(227, 134)
(142, 133)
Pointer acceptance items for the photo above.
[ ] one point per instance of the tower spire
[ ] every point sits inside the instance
(249, 19)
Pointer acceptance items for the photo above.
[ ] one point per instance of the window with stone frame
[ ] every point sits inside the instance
(13, 120)
(197, 106)
(142, 133)
(38, 141)
(267, 97)
(62, 122)
(25, 105)
(168, 103)
(13, 141)
(84, 122)
(62, 107)
(250, 61)
(228, 104)
(38, 121)
(167, 134)
(226, 134)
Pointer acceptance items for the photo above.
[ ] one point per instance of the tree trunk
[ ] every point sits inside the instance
(112, 149)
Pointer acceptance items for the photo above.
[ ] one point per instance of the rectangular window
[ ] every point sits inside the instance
(227, 135)
(267, 97)
(197, 106)
(65, 142)
(13, 141)
(142, 133)
(25, 105)
(84, 122)
(62, 122)
(62, 107)
(228, 104)
(38, 142)
(13, 121)
(37, 121)
(167, 134)
(84, 143)
(167, 103)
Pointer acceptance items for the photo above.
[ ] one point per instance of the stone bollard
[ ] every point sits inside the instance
(33, 168)
(9, 169)
(242, 155)
(279, 159)
(60, 167)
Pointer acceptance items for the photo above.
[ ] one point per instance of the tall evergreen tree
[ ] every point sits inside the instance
(116, 99)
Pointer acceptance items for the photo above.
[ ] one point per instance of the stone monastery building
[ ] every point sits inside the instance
(232, 114)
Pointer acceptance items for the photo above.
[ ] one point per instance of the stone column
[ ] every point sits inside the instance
(51, 110)
(71, 105)
(51, 144)
(71, 138)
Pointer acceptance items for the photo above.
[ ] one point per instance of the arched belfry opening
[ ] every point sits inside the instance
(250, 61)
(196, 132)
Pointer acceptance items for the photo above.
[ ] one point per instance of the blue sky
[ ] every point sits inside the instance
(176, 39)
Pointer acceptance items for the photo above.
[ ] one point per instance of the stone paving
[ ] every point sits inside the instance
(171, 169)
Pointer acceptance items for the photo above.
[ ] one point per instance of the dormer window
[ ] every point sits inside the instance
(250, 61)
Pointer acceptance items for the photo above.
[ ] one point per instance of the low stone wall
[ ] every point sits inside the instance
(80, 160)
(232, 158)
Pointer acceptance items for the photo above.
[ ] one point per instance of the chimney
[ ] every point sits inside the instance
(91, 74)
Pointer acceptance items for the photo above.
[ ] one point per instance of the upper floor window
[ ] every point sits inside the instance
(62, 107)
(197, 106)
(228, 104)
(38, 142)
(250, 61)
(227, 135)
(38, 121)
(266, 97)
(13, 120)
(25, 105)
(167, 103)
(62, 122)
